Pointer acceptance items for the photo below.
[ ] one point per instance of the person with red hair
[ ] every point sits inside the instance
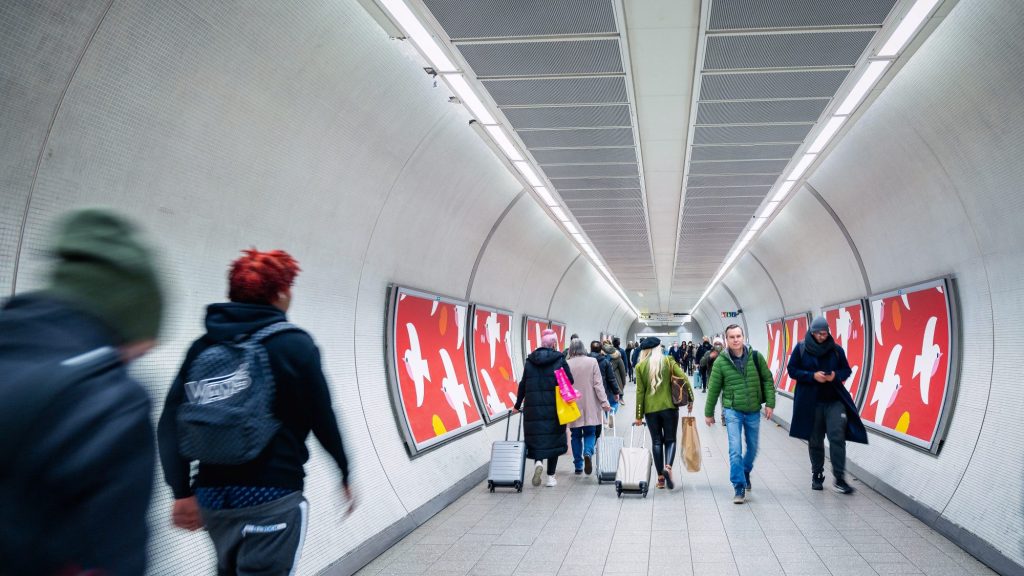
(254, 512)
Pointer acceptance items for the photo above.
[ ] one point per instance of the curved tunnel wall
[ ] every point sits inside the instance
(280, 125)
(927, 183)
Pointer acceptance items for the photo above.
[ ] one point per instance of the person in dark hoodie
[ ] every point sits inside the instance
(822, 405)
(255, 512)
(545, 437)
(612, 389)
(76, 441)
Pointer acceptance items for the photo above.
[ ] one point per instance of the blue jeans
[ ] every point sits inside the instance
(582, 444)
(741, 464)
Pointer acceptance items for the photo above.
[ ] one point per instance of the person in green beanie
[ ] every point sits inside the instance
(76, 441)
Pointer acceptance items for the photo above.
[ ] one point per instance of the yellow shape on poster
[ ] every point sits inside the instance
(503, 372)
(897, 316)
(439, 428)
(904, 423)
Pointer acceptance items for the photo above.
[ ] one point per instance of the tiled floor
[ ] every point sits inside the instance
(580, 528)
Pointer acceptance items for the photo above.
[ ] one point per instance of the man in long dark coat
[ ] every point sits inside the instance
(822, 405)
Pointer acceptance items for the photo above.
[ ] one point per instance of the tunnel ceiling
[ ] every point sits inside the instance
(563, 73)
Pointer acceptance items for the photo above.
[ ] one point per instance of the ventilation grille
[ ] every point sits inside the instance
(756, 152)
(761, 14)
(569, 117)
(760, 112)
(547, 91)
(739, 167)
(577, 138)
(805, 50)
(735, 191)
(543, 58)
(782, 133)
(585, 156)
(710, 181)
(595, 183)
(591, 170)
(587, 195)
(755, 86)
(503, 19)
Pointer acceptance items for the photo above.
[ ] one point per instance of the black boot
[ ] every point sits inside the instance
(817, 481)
(670, 458)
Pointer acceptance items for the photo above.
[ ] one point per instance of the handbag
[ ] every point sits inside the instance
(567, 411)
(691, 444)
(569, 394)
(680, 389)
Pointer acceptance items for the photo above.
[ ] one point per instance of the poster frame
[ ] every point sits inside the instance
(564, 344)
(525, 340)
(788, 349)
(412, 447)
(778, 373)
(869, 344)
(949, 287)
(478, 392)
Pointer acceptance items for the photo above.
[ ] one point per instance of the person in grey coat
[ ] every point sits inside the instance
(592, 401)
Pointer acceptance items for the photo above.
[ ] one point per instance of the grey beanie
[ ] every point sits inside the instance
(819, 325)
(105, 269)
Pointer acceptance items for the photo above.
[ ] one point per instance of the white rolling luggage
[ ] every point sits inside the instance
(634, 473)
(608, 448)
(508, 460)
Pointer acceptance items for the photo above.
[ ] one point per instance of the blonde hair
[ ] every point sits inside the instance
(653, 368)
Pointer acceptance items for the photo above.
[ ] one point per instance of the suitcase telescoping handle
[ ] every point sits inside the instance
(519, 429)
(632, 432)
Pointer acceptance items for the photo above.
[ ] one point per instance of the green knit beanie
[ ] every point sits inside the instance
(105, 269)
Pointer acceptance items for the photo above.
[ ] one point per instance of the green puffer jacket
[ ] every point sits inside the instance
(648, 401)
(740, 391)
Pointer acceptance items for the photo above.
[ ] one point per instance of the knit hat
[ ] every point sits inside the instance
(718, 341)
(819, 325)
(105, 269)
(649, 342)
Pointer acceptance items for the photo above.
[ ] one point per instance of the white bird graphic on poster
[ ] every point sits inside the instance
(906, 300)
(776, 353)
(536, 330)
(454, 391)
(433, 306)
(492, 330)
(877, 313)
(415, 365)
(460, 323)
(886, 389)
(494, 402)
(927, 362)
(508, 343)
(853, 377)
(843, 325)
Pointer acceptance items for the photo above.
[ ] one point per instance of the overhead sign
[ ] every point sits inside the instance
(731, 314)
(665, 317)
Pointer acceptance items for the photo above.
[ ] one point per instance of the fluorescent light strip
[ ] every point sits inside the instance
(801, 167)
(543, 193)
(503, 141)
(461, 88)
(831, 127)
(559, 213)
(527, 171)
(571, 228)
(578, 238)
(783, 191)
(758, 223)
(860, 89)
(906, 29)
(423, 39)
(769, 209)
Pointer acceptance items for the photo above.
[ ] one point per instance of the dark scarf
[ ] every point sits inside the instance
(740, 362)
(812, 347)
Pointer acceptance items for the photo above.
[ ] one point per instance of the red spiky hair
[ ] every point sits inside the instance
(258, 277)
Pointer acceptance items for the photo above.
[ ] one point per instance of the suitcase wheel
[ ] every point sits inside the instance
(618, 488)
(490, 485)
(599, 481)
(519, 486)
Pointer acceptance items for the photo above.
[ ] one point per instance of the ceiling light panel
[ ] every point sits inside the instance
(798, 171)
(419, 35)
(783, 191)
(503, 141)
(907, 27)
(545, 196)
(529, 173)
(864, 84)
(827, 132)
(462, 89)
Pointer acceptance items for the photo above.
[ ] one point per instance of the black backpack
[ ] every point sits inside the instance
(227, 417)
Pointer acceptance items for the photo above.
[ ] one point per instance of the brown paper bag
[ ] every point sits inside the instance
(691, 444)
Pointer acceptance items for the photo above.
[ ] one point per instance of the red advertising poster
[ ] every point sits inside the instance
(907, 390)
(846, 322)
(532, 328)
(559, 329)
(428, 361)
(794, 328)
(776, 349)
(492, 361)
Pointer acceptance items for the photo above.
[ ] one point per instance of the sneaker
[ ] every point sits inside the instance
(747, 476)
(842, 487)
(738, 498)
(538, 469)
(551, 483)
(817, 480)
(578, 472)
(588, 464)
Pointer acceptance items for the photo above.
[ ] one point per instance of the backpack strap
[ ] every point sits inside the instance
(268, 331)
(754, 355)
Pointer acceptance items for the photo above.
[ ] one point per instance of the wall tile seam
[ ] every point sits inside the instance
(782, 303)
(359, 284)
(559, 285)
(988, 282)
(46, 143)
(533, 266)
(743, 317)
(487, 241)
(846, 233)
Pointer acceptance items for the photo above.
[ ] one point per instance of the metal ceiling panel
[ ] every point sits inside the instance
(693, 193)
(760, 111)
(763, 85)
(503, 19)
(761, 14)
(584, 156)
(569, 117)
(543, 58)
(739, 167)
(553, 91)
(739, 180)
(577, 138)
(756, 152)
(780, 134)
(727, 202)
(573, 195)
(595, 183)
(591, 170)
(799, 50)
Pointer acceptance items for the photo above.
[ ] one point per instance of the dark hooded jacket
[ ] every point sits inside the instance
(617, 363)
(806, 359)
(75, 483)
(545, 437)
(302, 403)
(611, 383)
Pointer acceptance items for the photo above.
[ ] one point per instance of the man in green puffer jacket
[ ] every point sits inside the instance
(745, 382)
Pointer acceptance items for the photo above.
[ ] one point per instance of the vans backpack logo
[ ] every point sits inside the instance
(228, 416)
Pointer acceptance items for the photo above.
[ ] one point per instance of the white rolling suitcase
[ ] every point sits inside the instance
(608, 447)
(634, 473)
(508, 460)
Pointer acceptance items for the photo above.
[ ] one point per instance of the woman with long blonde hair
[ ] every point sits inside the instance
(654, 372)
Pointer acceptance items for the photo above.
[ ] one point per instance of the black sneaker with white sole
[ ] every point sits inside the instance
(842, 487)
(817, 481)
